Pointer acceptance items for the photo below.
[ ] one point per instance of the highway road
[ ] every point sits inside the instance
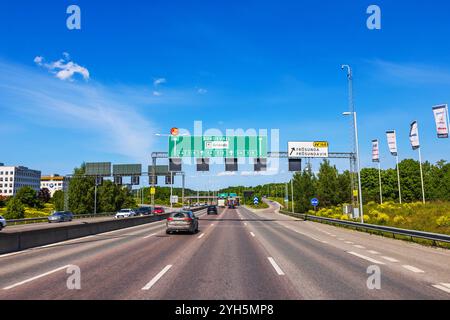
(239, 254)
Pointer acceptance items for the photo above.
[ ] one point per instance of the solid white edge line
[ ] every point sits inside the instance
(200, 236)
(373, 252)
(275, 266)
(413, 269)
(157, 277)
(36, 277)
(150, 235)
(252, 234)
(443, 286)
(365, 258)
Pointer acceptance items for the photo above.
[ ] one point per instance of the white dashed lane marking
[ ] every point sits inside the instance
(365, 258)
(443, 286)
(157, 277)
(389, 259)
(413, 269)
(275, 266)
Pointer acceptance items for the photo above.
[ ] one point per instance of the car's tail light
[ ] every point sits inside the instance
(169, 219)
(187, 219)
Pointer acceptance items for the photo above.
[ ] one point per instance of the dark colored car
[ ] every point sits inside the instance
(143, 211)
(182, 221)
(212, 210)
(159, 210)
(231, 205)
(60, 216)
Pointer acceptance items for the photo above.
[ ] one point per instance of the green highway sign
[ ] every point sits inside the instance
(217, 147)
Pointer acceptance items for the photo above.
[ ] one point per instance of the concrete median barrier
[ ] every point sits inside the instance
(16, 241)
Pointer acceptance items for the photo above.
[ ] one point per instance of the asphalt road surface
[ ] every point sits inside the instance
(239, 254)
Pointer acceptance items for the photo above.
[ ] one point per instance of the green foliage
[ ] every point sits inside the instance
(15, 209)
(431, 217)
(110, 197)
(29, 197)
(44, 195)
(58, 200)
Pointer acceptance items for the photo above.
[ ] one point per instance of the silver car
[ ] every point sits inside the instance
(2, 222)
(183, 221)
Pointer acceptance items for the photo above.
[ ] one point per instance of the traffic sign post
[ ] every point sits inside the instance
(315, 203)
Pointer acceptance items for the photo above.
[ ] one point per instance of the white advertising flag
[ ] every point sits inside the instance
(414, 136)
(441, 119)
(392, 142)
(375, 151)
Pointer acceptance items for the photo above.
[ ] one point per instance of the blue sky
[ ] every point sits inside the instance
(141, 67)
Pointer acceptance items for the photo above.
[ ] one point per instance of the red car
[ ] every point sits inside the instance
(158, 210)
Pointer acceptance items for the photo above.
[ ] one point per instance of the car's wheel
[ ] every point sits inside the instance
(167, 232)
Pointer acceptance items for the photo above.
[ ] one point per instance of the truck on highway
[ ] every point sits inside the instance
(221, 203)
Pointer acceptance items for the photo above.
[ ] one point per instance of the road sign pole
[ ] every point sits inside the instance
(292, 193)
(153, 181)
(182, 188)
(95, 197)
(171, 189)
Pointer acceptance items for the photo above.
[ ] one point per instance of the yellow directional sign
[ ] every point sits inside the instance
(355, 193)
(152, 191)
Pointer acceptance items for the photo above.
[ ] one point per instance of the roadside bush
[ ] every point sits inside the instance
(15, 209)
(443, 221)
(382, 218)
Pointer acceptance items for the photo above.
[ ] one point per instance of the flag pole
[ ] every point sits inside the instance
(379, 182)
(421, 176)
(398, 179)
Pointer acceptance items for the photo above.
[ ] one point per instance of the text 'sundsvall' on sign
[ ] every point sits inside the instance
(218, 147)
(317, 149)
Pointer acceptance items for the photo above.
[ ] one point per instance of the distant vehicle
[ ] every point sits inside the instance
(212, 210)
(221, 203)
(159, 210)
(182, 221)
(231, 205)
(125, 213)
(60, 216)
(2, 222)
(143, 211)
(186, 208)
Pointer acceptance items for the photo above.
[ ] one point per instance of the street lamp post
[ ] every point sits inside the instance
(355, 137)
(358, 164)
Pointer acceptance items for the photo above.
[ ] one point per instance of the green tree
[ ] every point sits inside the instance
(327, 184)
(28, 197)
(58, 200)
(81, 192)
(44, 195)
(15, 209)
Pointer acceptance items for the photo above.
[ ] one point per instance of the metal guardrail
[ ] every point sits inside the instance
(435, 237)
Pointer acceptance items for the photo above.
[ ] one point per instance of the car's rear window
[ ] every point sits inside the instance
(180, 215)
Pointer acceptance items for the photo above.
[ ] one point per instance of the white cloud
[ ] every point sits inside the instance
(202, 91)
(159, 81)
(413, 72)
(106, 120)
(38, 60)
(157, 93)
(64, 69)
